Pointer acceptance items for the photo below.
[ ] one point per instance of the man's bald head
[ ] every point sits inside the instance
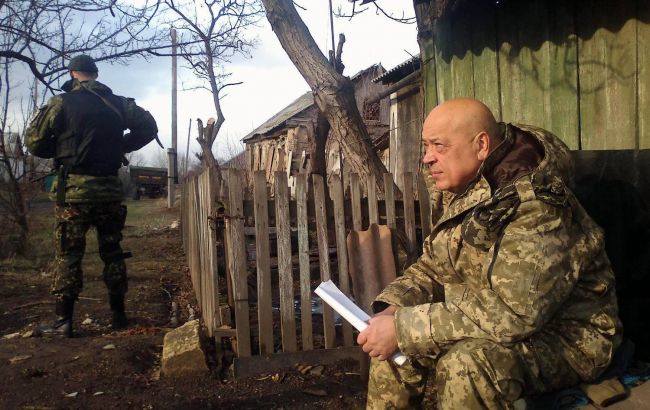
(463, 115)
(458, 135)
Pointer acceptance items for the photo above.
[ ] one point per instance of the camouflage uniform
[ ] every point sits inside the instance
(91, 198)
(529, 301)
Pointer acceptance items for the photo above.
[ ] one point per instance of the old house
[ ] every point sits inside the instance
(403, 86)
(285, 141)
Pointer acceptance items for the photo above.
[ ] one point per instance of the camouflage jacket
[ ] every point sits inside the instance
(51, 126)
(518, 260)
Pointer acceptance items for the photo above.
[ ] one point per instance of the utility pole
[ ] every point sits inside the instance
(171, 152)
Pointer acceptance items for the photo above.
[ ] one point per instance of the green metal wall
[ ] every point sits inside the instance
(579, 68)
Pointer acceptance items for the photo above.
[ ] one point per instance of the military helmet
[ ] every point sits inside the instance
(83, 63)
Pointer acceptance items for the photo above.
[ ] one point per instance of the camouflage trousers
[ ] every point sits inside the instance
(472, 374)
(72, 223)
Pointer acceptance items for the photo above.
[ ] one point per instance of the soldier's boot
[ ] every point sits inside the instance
(120, 321)
(62, 325)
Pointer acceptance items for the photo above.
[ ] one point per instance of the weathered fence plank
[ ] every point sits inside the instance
(283, 228)
(391, 218)
(323, 255)
(336, 194)
(643, 90)
(409, 215)
(262, 252)
(425, 207)
(355, 196)
(212, 251)
(373, 213)
(237, 262)
(303, 261)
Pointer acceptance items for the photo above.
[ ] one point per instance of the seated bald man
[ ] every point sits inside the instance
(513, 295)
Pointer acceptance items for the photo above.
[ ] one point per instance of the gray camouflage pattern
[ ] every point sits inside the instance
(525, 278)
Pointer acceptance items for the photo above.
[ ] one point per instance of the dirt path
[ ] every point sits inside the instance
(103, 369)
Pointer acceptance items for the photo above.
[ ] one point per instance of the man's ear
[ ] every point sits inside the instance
(483, 145)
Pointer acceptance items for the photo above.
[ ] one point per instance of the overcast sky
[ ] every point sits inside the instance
(270, 81)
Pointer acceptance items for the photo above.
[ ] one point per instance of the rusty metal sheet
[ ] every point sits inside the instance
(372, 266)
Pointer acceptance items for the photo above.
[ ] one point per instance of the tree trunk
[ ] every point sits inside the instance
(333, 93)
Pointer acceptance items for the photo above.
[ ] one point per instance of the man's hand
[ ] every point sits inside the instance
(379, 339)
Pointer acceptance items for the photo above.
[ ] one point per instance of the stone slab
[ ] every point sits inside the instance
(183, 351)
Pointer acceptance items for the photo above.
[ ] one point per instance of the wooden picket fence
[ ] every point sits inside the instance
(198, 204)
(318, 211)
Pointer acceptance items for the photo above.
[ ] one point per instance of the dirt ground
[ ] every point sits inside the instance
(100, 368)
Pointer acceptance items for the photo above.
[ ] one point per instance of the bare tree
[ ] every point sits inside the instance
(43, 34)
(333, 93)
(12, 171)
(211, 32)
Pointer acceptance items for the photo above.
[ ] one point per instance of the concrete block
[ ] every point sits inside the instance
(183, 351)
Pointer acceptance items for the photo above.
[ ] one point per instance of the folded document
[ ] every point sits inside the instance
(349, 310)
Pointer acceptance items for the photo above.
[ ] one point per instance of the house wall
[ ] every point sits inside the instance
(364, 88)
(578, 68)
(405, 132)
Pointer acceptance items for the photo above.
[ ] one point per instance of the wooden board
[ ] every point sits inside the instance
(409, 215)
(425, 207)
(643, 90)
(391, 218)
(373, 213)
(303, 260)
(237, 262)
(454, 71)
(283, 229)
(355, 196)
(262, 252)
(251, 366)
(336, 194)
(608, 64)
(484, 57)
(212, 250)
(323, 255)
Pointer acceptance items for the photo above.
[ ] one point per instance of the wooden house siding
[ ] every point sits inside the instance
(575, 67)
(405, 133)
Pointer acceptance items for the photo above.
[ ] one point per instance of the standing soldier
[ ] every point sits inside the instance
(83, 130)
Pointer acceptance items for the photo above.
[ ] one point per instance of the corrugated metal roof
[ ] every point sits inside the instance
(300, 104)
(399, 71)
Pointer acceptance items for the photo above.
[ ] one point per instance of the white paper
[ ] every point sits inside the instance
(331, 295)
